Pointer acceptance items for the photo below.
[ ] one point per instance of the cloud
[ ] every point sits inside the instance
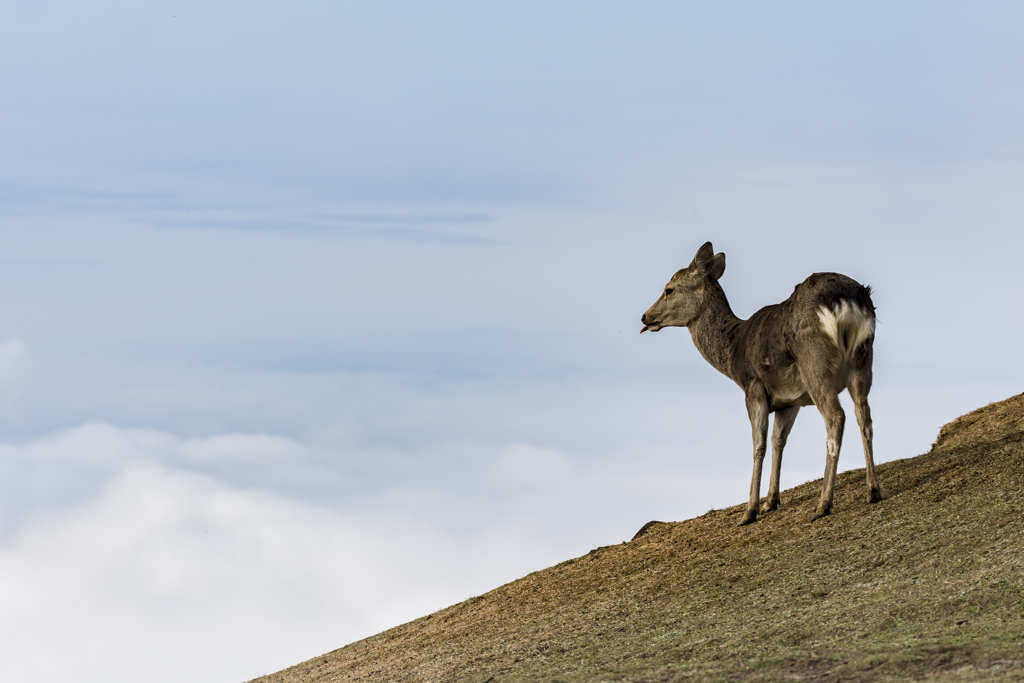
(244, 447)
(425, 227)
(525, 464)
(14, 359)
(226, 557)
(95, 444)
(15, 362)
(99, 444)
(205, 579)
(205, 582)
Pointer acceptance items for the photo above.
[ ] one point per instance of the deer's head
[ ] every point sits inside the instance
(681, 302)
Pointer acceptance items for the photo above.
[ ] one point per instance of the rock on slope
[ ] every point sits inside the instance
(927, 583)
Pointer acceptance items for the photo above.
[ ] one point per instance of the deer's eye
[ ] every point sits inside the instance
(668, 291)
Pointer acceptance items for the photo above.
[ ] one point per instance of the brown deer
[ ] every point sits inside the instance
(805, 350)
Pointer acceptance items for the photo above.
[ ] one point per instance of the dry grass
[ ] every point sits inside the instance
(926, 585)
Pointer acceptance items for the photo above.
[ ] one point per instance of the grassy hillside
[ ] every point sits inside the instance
(929, 583)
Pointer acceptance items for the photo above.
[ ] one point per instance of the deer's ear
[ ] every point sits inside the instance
(705, 255)
(717, 266)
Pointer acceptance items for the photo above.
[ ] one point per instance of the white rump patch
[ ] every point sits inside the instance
(848, 326)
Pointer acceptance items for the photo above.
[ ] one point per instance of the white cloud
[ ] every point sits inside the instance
(203, 582)
(525, 464)
(95, 444)
(14, 359)
(252, 447)
(168, 574)
(202, 578)
(103, 445)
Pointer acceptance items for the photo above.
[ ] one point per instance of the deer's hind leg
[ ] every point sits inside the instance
(822, 388)
(860, 385)
(757, 410)
(784, 420)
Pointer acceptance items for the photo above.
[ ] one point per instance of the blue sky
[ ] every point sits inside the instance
(317, 318)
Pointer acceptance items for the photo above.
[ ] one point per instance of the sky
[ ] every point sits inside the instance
(316, 318)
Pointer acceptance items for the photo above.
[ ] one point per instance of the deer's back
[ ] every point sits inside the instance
(830, 290)
(778, 338)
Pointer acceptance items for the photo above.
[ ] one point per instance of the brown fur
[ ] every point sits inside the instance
(805, 350)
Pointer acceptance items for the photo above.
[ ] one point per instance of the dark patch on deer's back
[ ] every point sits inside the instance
(830, 289)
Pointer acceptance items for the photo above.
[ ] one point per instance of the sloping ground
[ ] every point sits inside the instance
(927, 584)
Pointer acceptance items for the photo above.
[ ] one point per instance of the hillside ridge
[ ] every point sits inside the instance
(927, 583)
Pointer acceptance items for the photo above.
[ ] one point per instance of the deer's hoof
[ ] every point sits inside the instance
(748, 518)
(874, 496)
(769, 506)
(819, 514)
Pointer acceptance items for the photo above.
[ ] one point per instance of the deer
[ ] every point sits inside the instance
(805, 350)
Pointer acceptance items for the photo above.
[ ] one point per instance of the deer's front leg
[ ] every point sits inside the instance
(780, 433)
(757, 410)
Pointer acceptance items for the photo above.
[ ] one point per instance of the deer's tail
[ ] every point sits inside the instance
(848, 325)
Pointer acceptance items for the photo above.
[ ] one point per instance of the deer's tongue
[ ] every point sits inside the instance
(644, 329)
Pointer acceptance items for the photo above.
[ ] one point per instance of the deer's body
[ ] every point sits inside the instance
(803, 351)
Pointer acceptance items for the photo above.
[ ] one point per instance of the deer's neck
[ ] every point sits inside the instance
(714, 330)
